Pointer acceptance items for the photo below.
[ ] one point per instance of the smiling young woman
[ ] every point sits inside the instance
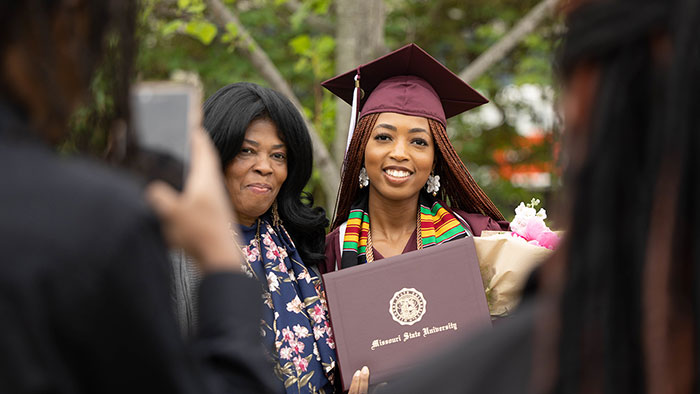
(401, 169)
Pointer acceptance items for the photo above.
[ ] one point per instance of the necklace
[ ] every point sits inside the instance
(369, 249)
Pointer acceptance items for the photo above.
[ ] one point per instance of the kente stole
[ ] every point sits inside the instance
(438, 226)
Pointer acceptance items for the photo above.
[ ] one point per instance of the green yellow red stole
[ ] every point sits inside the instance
(438, 225)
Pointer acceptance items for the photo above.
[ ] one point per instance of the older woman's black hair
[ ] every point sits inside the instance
(630, 308)
(227, 114)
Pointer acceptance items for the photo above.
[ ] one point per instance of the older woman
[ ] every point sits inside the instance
(400, 167)
(267, 160)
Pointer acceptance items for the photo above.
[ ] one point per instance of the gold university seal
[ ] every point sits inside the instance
(407, 306)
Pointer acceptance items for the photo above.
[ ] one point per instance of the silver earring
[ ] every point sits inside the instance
(433, 184)
(364, 179)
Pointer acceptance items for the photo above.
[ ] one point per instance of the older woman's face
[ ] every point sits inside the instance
(399, 156)
(257, 172)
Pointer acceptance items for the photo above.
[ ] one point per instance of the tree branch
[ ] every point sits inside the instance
(506, 44)
(257, 56)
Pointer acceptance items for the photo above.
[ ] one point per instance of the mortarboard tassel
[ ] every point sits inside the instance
(355, 104)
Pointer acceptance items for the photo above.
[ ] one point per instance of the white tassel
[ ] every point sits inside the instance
(353, 116)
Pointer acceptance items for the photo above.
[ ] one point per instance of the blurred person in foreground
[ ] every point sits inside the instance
(616, 310)
(266, 159)
(84, 290)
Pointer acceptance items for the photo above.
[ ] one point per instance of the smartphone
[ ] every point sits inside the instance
(163, 115)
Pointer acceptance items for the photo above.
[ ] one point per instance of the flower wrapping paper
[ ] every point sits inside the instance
(506, 262)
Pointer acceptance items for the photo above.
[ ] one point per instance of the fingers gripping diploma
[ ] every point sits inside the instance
(360, 382)
(197, 219)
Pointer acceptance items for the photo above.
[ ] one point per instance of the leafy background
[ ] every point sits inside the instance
(514, 134)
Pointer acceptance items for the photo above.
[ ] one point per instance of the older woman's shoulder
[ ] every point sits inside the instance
(479, 222)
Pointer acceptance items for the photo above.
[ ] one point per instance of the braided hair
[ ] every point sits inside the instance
(629, 307)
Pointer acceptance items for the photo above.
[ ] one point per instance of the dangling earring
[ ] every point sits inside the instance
(433, 184)
(364, 178)
(276, 220)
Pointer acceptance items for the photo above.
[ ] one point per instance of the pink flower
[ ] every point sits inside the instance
(330, 342)
(251, 253)
(548, 240)
(282, 268)
(286, 353)
(318, 332)
(302, 332)
(287, 334)
(267, 240)
(298, 346)
(295, 305)
(318, 314)
(273, 253)
(300, 364)
(534, 227)
(535, 232)
(282, 252)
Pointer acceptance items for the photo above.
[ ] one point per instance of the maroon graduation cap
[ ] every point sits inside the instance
(407, 81)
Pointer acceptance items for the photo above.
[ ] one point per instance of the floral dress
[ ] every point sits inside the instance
(295, 324)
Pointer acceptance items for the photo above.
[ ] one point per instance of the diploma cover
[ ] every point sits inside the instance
(394, 313)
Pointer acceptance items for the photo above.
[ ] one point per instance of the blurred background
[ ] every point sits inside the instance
(503, 48)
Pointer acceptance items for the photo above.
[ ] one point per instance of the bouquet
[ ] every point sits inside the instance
(506, 258)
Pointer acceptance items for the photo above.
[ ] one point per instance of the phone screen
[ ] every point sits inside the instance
(163, 115)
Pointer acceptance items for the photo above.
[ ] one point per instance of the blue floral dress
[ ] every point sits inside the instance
(295, 324)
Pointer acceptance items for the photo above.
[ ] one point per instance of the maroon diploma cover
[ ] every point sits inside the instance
(394, 313)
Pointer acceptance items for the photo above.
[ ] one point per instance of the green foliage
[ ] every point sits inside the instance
(180, 35)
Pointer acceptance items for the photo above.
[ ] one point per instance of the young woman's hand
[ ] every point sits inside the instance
(197, 219)
(360, 382)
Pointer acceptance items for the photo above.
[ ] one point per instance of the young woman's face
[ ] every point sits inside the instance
(399, 156)
(257, 172)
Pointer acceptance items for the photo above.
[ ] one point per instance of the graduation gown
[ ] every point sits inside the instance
(84, 288)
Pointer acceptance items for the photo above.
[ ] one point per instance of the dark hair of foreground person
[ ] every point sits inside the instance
(617, 308)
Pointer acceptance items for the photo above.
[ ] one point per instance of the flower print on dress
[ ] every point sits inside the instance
(272, 282)
(319, 332)
(297, 346)
(300, 364)
(282, 267)
(267, 299)
(304, 274)
(301, 332)
(251, 252)
(331, 342)
(287, 334)
(286, 353)
(295, 305)
(318, 314)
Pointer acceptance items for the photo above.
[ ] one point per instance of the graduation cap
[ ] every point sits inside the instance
(407, 81)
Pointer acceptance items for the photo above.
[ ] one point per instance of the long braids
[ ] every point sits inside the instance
(623, 286)
(459, 189)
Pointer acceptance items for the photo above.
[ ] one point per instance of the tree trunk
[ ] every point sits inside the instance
(359, 39)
